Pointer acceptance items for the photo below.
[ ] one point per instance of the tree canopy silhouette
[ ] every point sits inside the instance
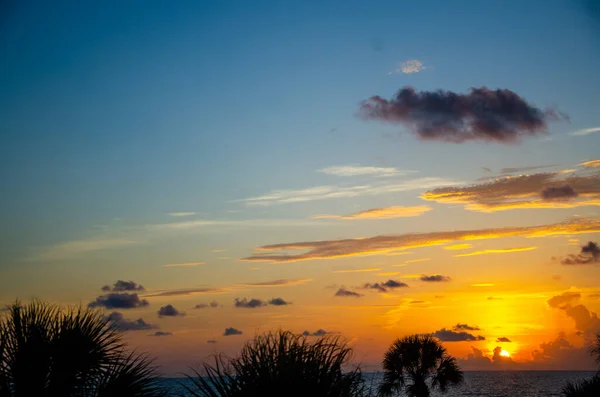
(587, 387)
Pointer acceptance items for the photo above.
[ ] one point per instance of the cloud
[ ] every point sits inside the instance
(119, 322)
(119, 301)
(161, 333)
(446, 335)
(278, 302)
(185, 264)
(381, 213)
(328, 249)
(455, 247)
(496, 251)
(585, 131)
(410, 66)
(590, 254)
(564, 193)
(279, 283)
(277, 197)
(383, 287)
(182, 214)
(169, 311)
(586, 322)
(212, 304)
(367, 270)
(513, 170)
(189, 291)
(482, 114)
(346, 293)
(465, 327)
(482, 285)
(211, 341)
(231, 331)
(564, 299)
(319, 332)
(435, 278)
(76, 248)
(359, 170)
(248, 304)
(122, 286)
(494, 298)
(591, 164)
(503, 339)
(521, 192)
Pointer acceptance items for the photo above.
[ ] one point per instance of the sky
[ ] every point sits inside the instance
(206, 171)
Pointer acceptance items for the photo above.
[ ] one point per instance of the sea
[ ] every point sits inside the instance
(482, 383)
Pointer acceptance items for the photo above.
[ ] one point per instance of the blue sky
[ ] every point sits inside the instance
(112, 116)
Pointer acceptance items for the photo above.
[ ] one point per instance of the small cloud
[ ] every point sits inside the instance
(212, 304)
(217, 251)
(381, 213)
(248, 304)
(486, 169)
(211, 341)
(319, 332)
(383, 287)
(446, 335)
(418, 260)
(359, 170)
(120, 323)
(185, 264)
(494, 298)
(514, 170)
(559, 193)
(482, 285)
(416, 302)
(231, 331)
(585, 131)
(455, 247)
(119, 301)
(435, 278)
(465, 327)
(161, 333)
(372, 269)
(503, 339)
(186, 292)
(409, 67)
(556, 277)
(564, 299)
(182, 214)
(278, 302)
(122, 286)
(590, 254)
(346, 293)
(169, 311)
(496, 251)
(279, 283)
(591, 164)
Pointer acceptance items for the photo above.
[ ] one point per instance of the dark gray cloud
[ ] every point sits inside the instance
(169, 311)
(212, 304)
(211, 341)
(278, 302)
(119, 322)
(435, 278)
(319, 332)
(122, 286)
(383, 287)
(566, 298)
(347, 293)
(248, 304)
(590, 254)
(161, 333)
(465, 327)
(116, 300)
(446, 335)
(480, 115)
(231, 331)
(503, 339)
(559, 193)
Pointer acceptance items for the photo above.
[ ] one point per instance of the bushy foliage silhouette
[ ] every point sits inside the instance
(49, 351)
(282, 364)
(587, 387)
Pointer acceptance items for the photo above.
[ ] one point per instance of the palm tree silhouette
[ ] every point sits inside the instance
(48, 351)
(417, 363)
(587, 387)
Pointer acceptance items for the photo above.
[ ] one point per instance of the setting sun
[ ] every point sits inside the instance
(504, 353)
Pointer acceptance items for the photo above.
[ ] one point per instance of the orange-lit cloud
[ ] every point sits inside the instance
(418, 260)
(372, 269)
(482, 285)
(497, 251)
(381, 213)
(524, 191)
(388, 274)
(329, 249)
(185, 264)
(278, 283)
(591, 164)
(458, 247)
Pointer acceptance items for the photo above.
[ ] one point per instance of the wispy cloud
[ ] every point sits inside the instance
(185, 264)
(381, 213)
(75, 248)
(456, 247)
(482, 285)
(328, 249)
(279, 283)
(368, 270)
(359, 170)
(182, 214)
(585, 131)
(513, 170)
(409, 67)
(324, 192)
(187, 292)
(591, 164)
(497, 251)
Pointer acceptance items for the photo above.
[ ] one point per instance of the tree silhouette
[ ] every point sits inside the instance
(587, 387)
(48, 351)
(417, 363)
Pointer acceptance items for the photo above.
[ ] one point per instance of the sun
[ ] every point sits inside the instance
(504, 353)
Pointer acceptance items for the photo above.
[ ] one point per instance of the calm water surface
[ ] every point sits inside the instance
(489, 384)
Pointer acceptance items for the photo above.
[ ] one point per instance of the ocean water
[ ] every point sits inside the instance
(484, 383)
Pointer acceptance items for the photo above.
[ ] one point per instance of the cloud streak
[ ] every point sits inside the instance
(187, 292)
(279, 283)
(381, 213)
(359, 170)
(496, 251)
(585, 131)
(480, 115)
(185, 264)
